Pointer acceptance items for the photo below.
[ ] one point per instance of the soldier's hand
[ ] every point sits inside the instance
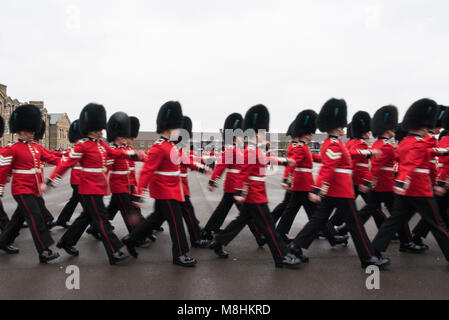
(239, 199)
(285, 186)
(362, 188)
(141, 154)
(399, 191)
(44, 188)
(208, 170)
(137, 204)
(291, 162)
(210, 188)
(376, 153)
(314, 197)
(439, 191)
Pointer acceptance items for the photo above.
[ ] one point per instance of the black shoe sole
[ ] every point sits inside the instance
(406, 250)
(185, 265)
(44, 261)
(288, 266)
(115, 262)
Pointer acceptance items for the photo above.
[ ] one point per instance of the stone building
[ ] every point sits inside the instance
(58, 131)
(61, 122)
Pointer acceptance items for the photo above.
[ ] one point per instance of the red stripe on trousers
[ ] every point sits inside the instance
(176, 227)
(125, 211)
(101, 223)
(359, 228)
(437, 219)
(191, 221)
(32, 222)
(270, 231)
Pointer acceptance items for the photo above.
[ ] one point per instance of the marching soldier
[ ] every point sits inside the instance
(334, 188)
(302, 178)
(118, 131)
(3, 216)
(23, 159)
(92, 154)
(413, 187)
(255, 203)
(231, 161)
(64, 217)
(161, 175)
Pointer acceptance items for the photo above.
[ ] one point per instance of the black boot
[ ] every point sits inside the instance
(379, 261)
(47, 255)
(412, 247)
(60, 224)
(261, 241)
(93, 233)
(118, 257)
(418, 241)
(143, 243)
(202, 243)
(70, 250)
(337, 239)
(219, 249)
(207, 235)
(9, 249)
(289, 262)
(130, 246)
(297, 251)
(184, 261)
(286, 239)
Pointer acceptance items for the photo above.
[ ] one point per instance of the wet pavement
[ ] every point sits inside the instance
(249, 273)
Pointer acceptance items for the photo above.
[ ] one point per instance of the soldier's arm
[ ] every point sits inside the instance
(6, 160)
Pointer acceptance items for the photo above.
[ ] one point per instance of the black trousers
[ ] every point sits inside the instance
(48, 217)
(280, 208)
(94, 213)
(165, 210)
(69, 208)
(29, 210)
(260, 213)
(297, 200)
(122, 202)
(3, 217)
(373, 209)
(220, 213)
(422, 229)
(346, 208)
(404, 208)
(337, 219)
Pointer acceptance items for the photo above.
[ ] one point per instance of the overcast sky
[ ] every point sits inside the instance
(218, 57)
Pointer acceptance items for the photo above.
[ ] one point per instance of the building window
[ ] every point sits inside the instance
(142, 144)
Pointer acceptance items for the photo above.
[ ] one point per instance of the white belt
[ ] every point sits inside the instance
(418, 170)
(304, 170)
(77, 168)
(254, 178)
(94, 170)
(30, 171)
(347, 171)
(132, 169)
(434, 161)
(168, 173)
(233, 171)
(183, 175)
(120, 172)
(387, 168)
(365, 165)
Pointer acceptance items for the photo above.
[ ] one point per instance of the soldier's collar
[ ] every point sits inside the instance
(302, 141)
(93, 139)
(164, 138)
(415, 135)
(23, 141)
(384, 138)
(332, 136)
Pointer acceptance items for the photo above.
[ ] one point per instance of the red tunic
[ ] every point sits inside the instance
(160, 172)
(383, 167)
(92, 155)
(24, 161)
(302, 171)
(336, 169)
(360, 162)
(231, 161)
(119, 174)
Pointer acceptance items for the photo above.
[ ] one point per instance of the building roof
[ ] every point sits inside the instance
(54, 117)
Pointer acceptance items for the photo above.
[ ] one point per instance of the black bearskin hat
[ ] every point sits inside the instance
(333, 115)
(442, 110)
(386, 118)
(25, 118)
(361, 123)
(118, 126)
(290, 129)
(187, 125)
(2, 126)
(305, 123)
(39, 134)
(135, 127)
(400, 132)
(74, 132)
(233, 122)
(421, 114)
(169, 116)
(92, 118)
(257, 118)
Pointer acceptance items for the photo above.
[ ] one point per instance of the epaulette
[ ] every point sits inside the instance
(159, 141)
(419, 138)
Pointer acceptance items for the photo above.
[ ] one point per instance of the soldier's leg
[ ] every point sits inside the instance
(12, 229)
(280, 208)
(218, 217)
(69, 208)
(3, 217)
(30, 210)
(260, 239)
(48, 217)
(191, 221)
(235, 227)
(131, 217)
(113, 206)
(297, 199)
